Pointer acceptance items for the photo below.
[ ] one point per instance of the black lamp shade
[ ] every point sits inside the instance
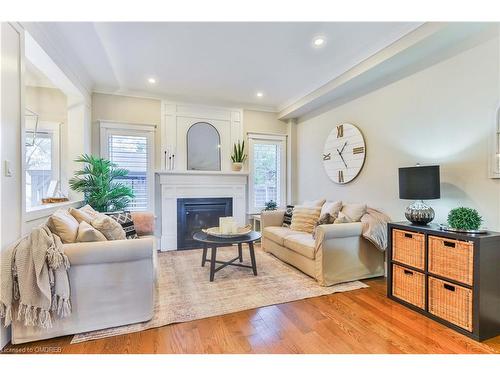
(419, 182)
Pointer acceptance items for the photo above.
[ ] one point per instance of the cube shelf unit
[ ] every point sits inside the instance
(453, 278)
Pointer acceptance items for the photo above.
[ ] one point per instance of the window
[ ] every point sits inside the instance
(131, 148)
(267, 170)
(42, 168)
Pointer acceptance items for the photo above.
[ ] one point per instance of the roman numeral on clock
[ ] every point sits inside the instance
(340, 131)
(341, 176)
(358, 150)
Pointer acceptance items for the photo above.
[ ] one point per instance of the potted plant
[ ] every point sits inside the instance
(271, 206)
(238, 157)
(96, 180)
(463, 218)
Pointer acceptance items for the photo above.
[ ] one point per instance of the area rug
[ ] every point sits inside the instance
(184, 292)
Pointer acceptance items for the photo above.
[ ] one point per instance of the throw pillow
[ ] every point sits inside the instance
(332, 208)
(87, 233)
(316, 203)
(323, 219)
(287, 219)
(63, 224)
(354, 211)
(304, 218)
(109, 227)
(82, 215)
(125, 220)
(144, 223)
(342, 219)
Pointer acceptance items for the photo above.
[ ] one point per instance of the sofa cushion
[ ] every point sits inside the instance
(87, 233)
(304, 218)
(109, 227)
(332, 208)
(83, 214)
(278, 234)
(354, 211)
(125, 220)
(64, 225)
(287, 218)
(301, 243)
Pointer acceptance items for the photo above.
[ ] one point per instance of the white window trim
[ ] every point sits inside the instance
(47, 127)
(267, 137)
(133, 129)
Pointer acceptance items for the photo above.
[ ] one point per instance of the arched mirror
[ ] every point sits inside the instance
(203, 147)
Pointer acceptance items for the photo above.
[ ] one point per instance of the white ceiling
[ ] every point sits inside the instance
(220, 63)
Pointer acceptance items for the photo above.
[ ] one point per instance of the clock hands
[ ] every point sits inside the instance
(340, 153)
(345, 144)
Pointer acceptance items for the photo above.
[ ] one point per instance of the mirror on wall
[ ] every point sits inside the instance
(203, 147)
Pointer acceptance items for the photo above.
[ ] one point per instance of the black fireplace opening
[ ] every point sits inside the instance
(195, 214)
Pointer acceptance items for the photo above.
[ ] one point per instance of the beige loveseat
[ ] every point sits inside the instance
(338, 254)
(112, 284)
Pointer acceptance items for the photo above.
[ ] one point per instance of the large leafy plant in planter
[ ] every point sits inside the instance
(97, 181)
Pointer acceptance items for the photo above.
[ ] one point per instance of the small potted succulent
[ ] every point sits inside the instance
(271, 206)
(238, 157)
(464, 219)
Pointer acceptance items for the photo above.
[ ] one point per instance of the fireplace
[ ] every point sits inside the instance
(194, 214)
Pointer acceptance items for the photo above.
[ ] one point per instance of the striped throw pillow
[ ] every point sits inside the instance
(304, 218)
(287, 219)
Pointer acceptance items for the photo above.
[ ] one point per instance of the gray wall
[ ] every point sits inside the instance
(442, 115)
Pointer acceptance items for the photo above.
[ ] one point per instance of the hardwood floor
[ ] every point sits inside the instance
(361, 321)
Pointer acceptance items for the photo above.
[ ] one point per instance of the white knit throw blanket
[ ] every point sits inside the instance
(34, 284)
(375, 227)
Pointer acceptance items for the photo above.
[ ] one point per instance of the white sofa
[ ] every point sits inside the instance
(112, 284)
(338, 254)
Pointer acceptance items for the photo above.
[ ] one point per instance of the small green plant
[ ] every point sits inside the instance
(464, 218)
(239, 155)
(271, 206)
(96, 182)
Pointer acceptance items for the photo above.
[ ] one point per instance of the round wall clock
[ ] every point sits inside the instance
(344, 153)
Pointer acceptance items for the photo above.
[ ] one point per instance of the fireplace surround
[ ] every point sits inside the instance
(175, 185)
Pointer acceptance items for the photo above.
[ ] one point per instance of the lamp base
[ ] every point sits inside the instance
(419, 213)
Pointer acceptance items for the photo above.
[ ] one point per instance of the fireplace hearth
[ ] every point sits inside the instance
(194, 214)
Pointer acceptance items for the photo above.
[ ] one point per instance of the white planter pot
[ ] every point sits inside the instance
(237, 167)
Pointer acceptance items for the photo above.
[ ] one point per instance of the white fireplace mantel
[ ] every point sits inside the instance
(197, 184)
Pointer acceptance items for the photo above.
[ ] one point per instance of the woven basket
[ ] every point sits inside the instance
(408, 285)
(451, 259)
(451, 302)
(408, 248)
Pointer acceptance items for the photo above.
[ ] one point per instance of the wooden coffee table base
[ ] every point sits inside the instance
(232, 262)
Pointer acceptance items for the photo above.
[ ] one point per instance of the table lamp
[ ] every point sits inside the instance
(419, 183)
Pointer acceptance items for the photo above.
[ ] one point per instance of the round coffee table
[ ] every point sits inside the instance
(214, 242)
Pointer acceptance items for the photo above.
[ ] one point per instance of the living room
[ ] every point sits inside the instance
(250, 187)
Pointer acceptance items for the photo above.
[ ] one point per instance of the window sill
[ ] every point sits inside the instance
(39, 212)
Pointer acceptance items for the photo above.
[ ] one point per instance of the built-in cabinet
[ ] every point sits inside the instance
(450, 277)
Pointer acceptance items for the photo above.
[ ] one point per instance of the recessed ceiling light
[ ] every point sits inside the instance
(260, 94)
(151, 80)
(319, 41)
